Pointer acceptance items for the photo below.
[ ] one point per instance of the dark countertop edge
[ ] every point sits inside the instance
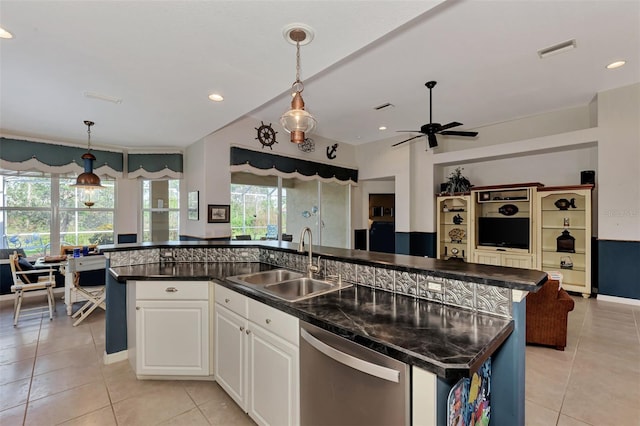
(498, 276)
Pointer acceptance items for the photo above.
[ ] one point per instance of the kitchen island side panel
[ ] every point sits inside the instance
(116, 315)
(508, 373)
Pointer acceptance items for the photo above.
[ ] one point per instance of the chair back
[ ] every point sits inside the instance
(13, 262)
(243, 237)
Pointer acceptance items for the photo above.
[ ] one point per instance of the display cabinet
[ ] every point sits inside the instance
(564, 234)
(503, 225)
(453, 218)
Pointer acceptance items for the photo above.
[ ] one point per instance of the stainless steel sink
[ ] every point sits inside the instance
(269, 277)
(287, 285)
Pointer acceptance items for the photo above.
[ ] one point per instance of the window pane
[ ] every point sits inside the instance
(24, 191)
(83, 227)
(254, 211)
(28, 230)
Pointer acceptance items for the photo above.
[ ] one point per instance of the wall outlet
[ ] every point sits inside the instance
(434, 286)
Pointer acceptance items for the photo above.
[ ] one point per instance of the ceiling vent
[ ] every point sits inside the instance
(565, 46)
(383, 106)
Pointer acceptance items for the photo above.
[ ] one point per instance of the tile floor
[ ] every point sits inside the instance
(52, 373)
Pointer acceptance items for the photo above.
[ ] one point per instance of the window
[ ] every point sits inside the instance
(39, 213)
(323, 207)
(160, 210)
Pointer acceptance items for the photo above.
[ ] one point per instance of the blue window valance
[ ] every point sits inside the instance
(24, 155)
(278, 165)
(154, 165)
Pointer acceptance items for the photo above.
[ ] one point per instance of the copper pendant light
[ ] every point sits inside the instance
(297, 121)
(88, 180)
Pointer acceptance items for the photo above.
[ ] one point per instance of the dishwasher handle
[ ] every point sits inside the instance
(367, 367)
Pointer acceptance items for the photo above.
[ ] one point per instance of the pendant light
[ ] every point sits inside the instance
(88, 180)
(297, 121)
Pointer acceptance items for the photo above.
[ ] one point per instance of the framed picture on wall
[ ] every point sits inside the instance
(218, 213)
(193, 205)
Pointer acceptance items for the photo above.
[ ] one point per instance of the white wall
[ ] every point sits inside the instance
(619, 164)
(207, 166)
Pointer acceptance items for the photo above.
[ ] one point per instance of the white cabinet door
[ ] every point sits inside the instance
(230, 353)
(486, 258)
(173, 337)
(273, 378)
(517, 260)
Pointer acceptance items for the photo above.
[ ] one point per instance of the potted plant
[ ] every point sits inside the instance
(457, 182)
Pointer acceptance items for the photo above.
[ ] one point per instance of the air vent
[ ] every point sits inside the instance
(565, 46)
(383, 106)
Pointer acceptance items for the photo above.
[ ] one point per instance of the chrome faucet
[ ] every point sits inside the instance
(311, 268)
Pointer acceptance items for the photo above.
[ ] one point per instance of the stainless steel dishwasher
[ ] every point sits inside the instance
(344, 383)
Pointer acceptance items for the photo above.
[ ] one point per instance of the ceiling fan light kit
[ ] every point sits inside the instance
(431, 129)
(297, 121)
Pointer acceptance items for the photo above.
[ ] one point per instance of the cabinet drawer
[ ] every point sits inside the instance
(231, 300)
(277, 322)
(172, 290)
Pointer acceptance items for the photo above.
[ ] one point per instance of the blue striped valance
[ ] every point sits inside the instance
(155, 165)
(23, 155)
(262, 163)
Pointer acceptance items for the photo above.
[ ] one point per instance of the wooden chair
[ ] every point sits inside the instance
(27, 278)
(94, 296)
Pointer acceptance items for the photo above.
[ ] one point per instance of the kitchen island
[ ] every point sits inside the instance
(444, 318)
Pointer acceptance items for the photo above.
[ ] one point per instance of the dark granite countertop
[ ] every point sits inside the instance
(448, 341)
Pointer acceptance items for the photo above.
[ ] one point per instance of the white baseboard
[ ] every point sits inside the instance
(615, 299)
(115, 357)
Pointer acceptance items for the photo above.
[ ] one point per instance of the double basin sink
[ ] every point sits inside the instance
(287, 285)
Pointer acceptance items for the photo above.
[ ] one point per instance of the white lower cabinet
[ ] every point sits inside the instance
(256, 358)
(504, 258)
(168, 328)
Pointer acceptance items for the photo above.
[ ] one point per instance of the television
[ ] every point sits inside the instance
(510, 232)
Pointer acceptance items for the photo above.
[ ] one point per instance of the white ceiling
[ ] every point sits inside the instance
(163, 58)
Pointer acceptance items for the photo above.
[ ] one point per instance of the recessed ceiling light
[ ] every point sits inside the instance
(5, 34)
(565, 46)
(216, 97)
(382, 128)
(616, 64)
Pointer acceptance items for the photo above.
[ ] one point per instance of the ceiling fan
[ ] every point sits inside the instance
(431, 129)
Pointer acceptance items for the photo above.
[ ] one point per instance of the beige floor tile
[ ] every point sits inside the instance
(192, 417)
(538, 415)
(79, 356)
(154, 407)
(125, 385)
(611, 346)
(63, 379)
(16, 371)
(101, 417)
(14, 393)
(20, 337)
(17, 353)
(203, 391)
(67, 405)
(13, 416)
(570, 421)
(116, 368)
(225, 412)
(66, 342)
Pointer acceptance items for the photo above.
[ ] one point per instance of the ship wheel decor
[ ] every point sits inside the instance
(266, 135)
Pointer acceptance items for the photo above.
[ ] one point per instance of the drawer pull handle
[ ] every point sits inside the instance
(227, 300)
(268, 321)
(137, 308)
(171, 289)
(248, 331)
(241, 328)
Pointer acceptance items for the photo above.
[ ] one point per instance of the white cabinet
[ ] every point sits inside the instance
(565, 214)
(256, 357)
(454, 229)
(168, 328)
(504, 258)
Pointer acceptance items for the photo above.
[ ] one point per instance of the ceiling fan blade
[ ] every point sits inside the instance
(433, 142)
(412, 131)
(407, 140)
(449, 125)
(459, 133)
